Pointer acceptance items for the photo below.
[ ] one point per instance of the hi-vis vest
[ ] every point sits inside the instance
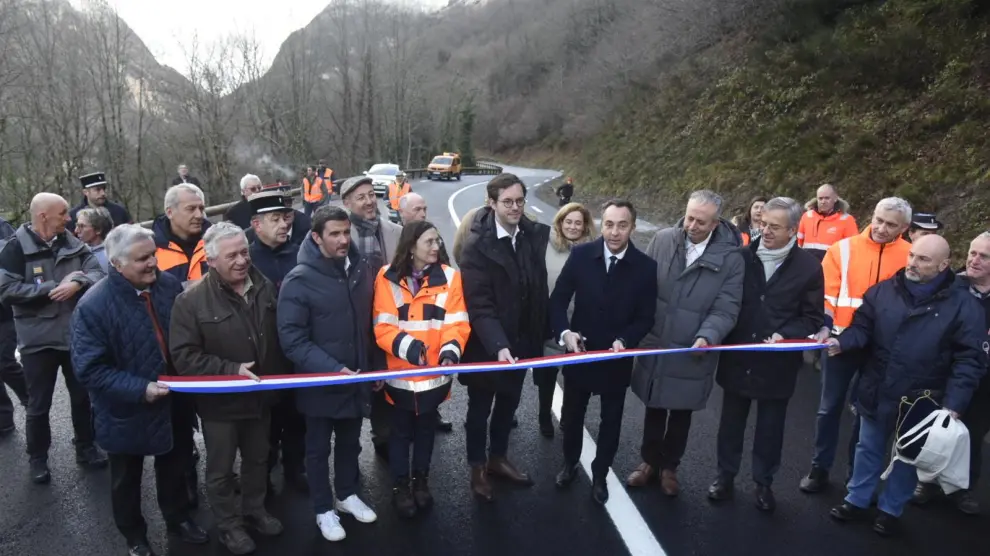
(172, 259)
(817, 232)
(395, 193)
(854, 264)
(433, 322)
(312, 190)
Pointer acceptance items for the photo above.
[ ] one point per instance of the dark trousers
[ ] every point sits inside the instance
(223, 439)
(11, 374)
(768, 439)
(418, 430)
(480, 406)
(575, 407)
(41, 374)
(288, 434)
(346, 449)
(839, 384)
(381, 418)
(545, 380)
(665, 437)
(977, 420)
(170, 482)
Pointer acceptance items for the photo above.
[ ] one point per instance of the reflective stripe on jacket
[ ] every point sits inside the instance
(854, 264)
(433, 323)
(817, 232)
(396, 192)
(312, 190)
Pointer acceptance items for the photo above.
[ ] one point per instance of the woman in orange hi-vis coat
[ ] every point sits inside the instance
(420, 319)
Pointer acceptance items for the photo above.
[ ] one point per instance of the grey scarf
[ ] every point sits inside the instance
(772, 258)
(369, 240)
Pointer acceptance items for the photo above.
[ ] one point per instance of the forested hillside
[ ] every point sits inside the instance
(881, 98)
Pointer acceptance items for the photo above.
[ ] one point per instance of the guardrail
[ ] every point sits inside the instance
(483, 169)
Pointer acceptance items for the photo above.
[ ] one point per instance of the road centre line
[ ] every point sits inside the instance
(629, 523)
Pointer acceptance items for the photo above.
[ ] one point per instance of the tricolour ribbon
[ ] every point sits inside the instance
(226, 384)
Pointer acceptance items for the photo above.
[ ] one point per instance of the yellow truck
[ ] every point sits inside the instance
(446, 166)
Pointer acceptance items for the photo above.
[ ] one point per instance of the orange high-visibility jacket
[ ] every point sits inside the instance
(173, 259)
(817, 232)
(312, 190)
(854, 264)
(395, 193)
(433, 322)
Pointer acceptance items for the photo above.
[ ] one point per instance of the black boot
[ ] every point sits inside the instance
(91, 457)
(815, 481)
(40, 475)
(402, 499)
(421, 491)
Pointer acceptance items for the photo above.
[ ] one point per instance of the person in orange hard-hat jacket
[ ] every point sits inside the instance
(851, 266)
(433, 330)
(826, 221)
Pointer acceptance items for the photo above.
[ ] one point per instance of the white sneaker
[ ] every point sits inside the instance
(354, 506)
(329, 524)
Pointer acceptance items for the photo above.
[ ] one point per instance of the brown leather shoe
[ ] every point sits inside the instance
(480, 484)
(642, 476)
(503, 468)
(668, 482)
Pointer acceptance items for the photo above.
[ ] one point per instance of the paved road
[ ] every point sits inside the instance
(72, 515)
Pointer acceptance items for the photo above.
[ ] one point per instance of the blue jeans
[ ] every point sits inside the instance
(871, 457)
(837, 374)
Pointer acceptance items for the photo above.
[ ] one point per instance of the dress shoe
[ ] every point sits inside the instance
(265, 524)
(924, 493)
(815, 481)
(502, 467)
(567, 475)
(421, 491)
(546, 425)
(765, 502)
(599, 490)
(237, 541)
(40, 475)
(722, 489)
(669, 484)
(141, 549)
(642, 475)
(967, 503)
(402, 499)
(480, 484)
(189, 532)
(90, 456)
(444, 425)
(846, 512)
(886, 525)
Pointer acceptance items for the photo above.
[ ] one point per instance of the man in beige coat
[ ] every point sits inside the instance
(376, 239)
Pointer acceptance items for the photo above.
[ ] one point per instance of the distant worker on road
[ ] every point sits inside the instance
(325, 174)
(398, 189)
(826, 221)
(312, 190)
(565, 192)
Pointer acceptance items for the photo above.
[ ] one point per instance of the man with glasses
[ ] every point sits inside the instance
(241, 213)
(505, 284)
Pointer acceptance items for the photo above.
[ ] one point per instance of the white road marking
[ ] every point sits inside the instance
(629, 523)
(536, 208)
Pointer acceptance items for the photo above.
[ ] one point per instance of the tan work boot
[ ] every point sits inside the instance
(668, 482)
(642, 476)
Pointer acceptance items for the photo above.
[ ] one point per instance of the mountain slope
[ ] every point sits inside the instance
(884, 98)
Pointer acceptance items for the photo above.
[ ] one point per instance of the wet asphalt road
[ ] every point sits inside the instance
(72, 515)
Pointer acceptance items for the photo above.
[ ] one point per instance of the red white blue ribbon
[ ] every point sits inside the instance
(226, 384)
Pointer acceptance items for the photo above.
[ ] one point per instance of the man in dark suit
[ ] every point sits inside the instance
(614, 288)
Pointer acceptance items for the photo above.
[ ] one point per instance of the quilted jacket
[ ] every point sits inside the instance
(115, 354)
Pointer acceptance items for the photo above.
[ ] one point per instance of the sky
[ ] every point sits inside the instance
(163, 25)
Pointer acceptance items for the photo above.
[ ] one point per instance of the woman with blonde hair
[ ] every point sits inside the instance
(572, 226)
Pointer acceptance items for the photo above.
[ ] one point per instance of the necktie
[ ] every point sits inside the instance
(159, 333)
(611, 263)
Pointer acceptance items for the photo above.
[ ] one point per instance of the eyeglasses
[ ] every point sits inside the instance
(434, 242)
(508, 203)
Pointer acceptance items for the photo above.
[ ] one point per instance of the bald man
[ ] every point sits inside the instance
(412, 208)
(43, 273)
(826, 221)
(921, 332)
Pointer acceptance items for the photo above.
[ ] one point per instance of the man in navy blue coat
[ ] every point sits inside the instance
(922, 334)
(614, 288)
(119, 349)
